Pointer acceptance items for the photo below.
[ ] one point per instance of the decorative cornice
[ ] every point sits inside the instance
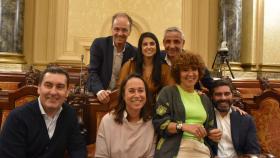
(12, 57)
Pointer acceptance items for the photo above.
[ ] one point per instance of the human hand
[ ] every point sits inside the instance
(195, 129)
(242, 112)
(104, 96)
(215, 135)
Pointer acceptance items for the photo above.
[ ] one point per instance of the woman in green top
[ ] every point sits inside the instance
(183, 116)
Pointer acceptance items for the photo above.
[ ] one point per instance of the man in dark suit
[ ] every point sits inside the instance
(107, 55)
(236, 133)
(46, 127)
(173, 42)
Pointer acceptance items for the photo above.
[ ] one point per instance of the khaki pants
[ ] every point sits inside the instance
(190, 148)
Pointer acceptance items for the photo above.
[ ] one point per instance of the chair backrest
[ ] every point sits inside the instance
(95, 112)
(267, 118)
(18, 98)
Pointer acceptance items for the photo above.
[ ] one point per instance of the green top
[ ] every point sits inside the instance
(195, 112)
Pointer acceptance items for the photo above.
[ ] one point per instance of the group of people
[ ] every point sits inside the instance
(162, 111)
(112, 58)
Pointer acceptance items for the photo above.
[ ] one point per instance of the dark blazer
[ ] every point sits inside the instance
(25, 135)
(206, 79)
(243, 134)
(101, 62)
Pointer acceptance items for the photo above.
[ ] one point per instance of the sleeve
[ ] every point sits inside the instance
(94, 83)
(162, 115)
(210, 122)
(12, 138)
(207, 80)
(252, 145)
(102, 150)
(152, 149)
(126, 69)
(76, 146)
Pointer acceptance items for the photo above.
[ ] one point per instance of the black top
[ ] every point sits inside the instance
(25, 135)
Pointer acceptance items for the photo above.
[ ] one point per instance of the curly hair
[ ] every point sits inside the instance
(185, 60)
(146, 111)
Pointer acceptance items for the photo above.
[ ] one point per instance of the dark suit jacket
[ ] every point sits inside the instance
(25, 135)
(101, 62)
(243, 134)
(206, 79)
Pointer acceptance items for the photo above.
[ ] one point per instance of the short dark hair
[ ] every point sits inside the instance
(54, 70)
(187, 59)
(120, 14)
(219, 83)
(146, 111)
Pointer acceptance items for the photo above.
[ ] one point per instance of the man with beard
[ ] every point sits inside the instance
(107, 55)
(173, 42)
(236, 133)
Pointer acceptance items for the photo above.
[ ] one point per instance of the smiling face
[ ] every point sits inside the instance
(53, 91)
(222, 98)
(134, 95)
(148, 47)
(173, 43)
(120, 30)
(188, 78)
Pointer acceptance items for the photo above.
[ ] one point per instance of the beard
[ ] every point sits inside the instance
(222, 105)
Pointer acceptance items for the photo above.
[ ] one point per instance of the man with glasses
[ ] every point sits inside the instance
(236, 133)
(107, 55)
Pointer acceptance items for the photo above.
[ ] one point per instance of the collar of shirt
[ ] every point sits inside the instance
(125, 114)
(115, 49)
(220, 116)
(43, 112)
(167, 60)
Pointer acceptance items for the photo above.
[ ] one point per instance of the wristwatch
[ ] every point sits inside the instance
(179, 127)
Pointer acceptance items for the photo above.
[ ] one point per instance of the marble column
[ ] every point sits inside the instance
(11, 25)
(230, 19)
(11, 35)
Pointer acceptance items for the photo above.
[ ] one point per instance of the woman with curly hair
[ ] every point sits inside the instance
(183, 116)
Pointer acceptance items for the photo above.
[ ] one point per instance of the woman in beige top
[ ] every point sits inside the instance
(148, 64)
(127, 131)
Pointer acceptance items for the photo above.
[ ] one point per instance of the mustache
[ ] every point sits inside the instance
(217, 102)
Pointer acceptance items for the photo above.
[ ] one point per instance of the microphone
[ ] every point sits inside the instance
(81, 72)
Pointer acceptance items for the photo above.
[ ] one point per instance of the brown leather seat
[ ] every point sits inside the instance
(267, 118)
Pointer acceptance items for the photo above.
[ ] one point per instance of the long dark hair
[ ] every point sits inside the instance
(157, 61)
(146, 111)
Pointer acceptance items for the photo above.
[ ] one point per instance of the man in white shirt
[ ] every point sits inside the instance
(236, 133)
